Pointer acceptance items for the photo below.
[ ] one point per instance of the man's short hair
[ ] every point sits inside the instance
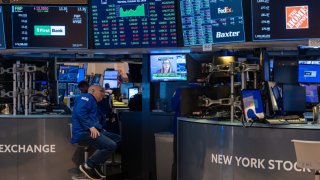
(83, 86)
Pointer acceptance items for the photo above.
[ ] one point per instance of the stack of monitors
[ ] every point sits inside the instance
(134, 23)
(2, 35)
(285, 19)
(63, 27)
(210, 22)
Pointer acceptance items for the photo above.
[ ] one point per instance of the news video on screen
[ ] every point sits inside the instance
(171, 67)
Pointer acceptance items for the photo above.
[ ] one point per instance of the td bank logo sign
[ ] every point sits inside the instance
(49, 30)
(297, 17)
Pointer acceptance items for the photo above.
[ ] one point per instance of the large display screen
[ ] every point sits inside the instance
(62, 27)
(48, 1)
(285, 19)
(212, 21)
(2, 35)
(133, 23)
(309, 72)
(168, 67)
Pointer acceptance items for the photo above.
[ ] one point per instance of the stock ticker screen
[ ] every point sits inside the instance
(285, 19)
(2, 35)
(134, 23)
(212, 21)
(49, 27)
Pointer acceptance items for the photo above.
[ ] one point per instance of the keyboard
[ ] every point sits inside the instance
(297, 121)
(289, 117)
(276, 121)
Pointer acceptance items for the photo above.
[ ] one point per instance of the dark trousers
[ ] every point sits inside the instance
(105, 145)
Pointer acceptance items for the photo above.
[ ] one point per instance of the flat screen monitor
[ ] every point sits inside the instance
(132, 91)
(124, 89)
(309, 72)
(170, 67)
(210, 22)
(96, 79)
(68, 73)
(252, 104)
(285, 20)
(59, 27)
(110, 74)
(134, 24)
(275, 97)
(312, 94)
(294, 98)
(113, 83)
(81, 74)
(2, 34)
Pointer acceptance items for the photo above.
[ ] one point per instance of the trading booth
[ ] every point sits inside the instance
(232, 82)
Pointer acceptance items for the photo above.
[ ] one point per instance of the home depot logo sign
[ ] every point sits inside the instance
(297, 17)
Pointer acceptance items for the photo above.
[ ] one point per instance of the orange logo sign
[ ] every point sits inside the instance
(297, 17)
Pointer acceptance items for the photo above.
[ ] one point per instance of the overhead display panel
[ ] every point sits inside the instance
(212, 21)
(285, 19)
(62, 27)
(2, 35)
(44, 2)
(134, 23)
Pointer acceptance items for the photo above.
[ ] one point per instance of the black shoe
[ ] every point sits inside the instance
(99, 171)
(90, 173)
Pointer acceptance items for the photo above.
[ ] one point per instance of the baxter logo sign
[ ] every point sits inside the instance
(49, 30)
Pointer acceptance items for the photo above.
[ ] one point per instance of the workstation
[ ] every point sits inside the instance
(246, 80)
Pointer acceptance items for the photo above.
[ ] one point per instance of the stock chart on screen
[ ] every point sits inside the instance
(133, 23)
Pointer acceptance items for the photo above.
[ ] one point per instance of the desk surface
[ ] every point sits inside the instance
(260, 125)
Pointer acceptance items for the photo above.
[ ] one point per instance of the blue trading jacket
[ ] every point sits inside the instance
(84, 116)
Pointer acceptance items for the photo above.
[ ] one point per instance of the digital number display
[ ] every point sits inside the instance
(134, 23)
(285, 19)
(212, 21)
(49, 27)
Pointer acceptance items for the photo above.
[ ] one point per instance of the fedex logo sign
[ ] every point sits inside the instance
(225, 10)
(297, 17)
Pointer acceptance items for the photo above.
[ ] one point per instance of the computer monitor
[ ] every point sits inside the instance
(112, 82)
(68, 73)
(294, 98)
(252, 104)
(274, 97)
(309, 72)
(96, 79)
(312, 93)
(169, 67)
(124, 89)
(81, 73)
(110, 74)
(132, 91)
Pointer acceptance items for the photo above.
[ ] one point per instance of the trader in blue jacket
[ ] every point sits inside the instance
(87, 129)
